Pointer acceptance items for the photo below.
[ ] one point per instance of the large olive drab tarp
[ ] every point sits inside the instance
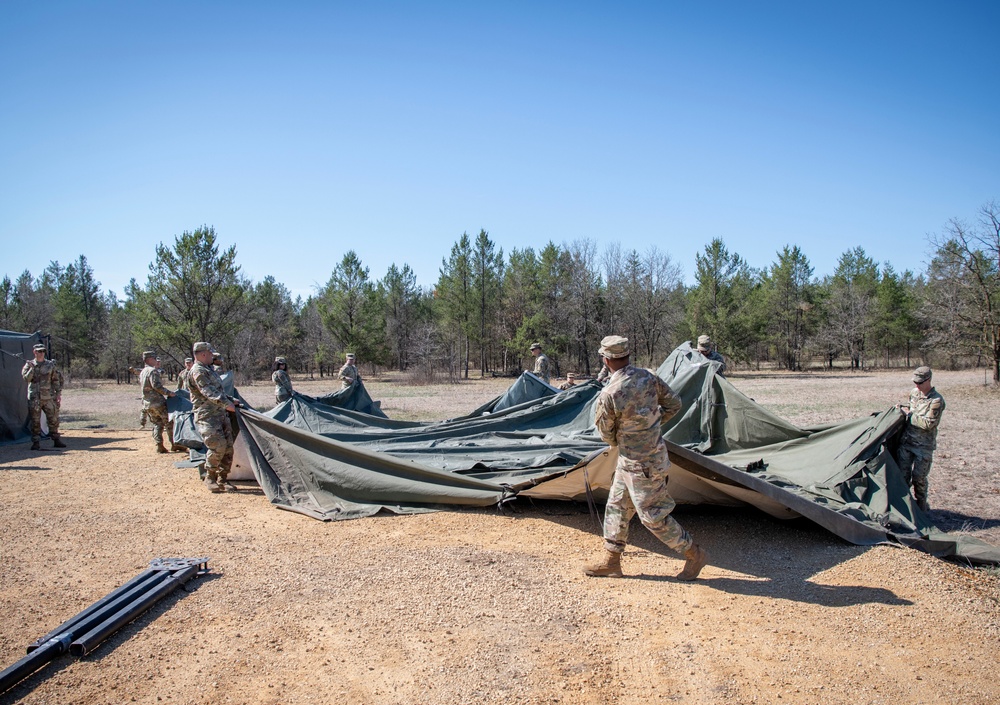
(333, 463)
(15, 350)
(527, 387)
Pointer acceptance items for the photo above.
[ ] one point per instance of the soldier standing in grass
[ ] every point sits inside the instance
(541, 362)
(182, 376)
(282, 382)
(44, 395)
(211, 417)
(349, 372)
(629, 412)
(919, 439)
(154, 400)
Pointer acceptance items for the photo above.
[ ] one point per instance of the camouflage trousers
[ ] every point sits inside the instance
(916, 466)
(157, 415)
(633, 493)
(217, 432)
(51, 411)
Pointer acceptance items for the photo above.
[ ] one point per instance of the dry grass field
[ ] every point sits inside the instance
(480, 607)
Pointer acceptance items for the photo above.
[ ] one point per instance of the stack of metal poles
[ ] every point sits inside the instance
(81, 634)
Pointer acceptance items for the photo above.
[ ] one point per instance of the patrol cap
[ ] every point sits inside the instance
(614, 347)
(350, 356)
(148, 353)
(535, 346)
(188, 359)
(201, 347)
(704, 342)
(217, 357)
(921, 374)
(570, 375)
(280, 361)
(39, 346)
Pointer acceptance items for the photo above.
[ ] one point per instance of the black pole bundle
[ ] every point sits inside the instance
(81, 634)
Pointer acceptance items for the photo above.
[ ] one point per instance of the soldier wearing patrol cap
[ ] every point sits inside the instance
(154, 400)
(541, 362)
(282, 382)
(707, 348)
(569, 383)
(630, 410)
(182, 376)
(212, 407)
(349, 372)
(919, 439)
(44, 395)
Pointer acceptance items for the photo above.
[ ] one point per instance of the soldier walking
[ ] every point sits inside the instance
(44, 395)
(154, 400)
(629, 412)
(919, 439)
(211, 417)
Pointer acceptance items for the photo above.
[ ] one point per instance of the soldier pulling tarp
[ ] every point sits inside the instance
(334, 463)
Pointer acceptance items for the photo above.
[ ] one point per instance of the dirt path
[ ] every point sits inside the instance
(465, 606)
(474, 606)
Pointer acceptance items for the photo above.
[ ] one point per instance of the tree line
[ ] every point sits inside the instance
(487, 307)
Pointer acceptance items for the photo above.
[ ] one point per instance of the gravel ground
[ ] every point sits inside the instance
(478, 607)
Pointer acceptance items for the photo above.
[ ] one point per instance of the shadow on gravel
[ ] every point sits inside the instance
(776, 559)
(956, 521)
(61, 663)
(14, 454)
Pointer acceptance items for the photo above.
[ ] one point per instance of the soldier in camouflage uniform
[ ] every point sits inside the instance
(349, 372)
(919, 439)
(44, 395)
(707, 348)
(629, 412)
(211, 417)
(541, 362)
(154, 400)
(569, 383)
(282, 382)
(182, 376)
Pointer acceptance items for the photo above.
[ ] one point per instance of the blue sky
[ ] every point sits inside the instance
(300, 130)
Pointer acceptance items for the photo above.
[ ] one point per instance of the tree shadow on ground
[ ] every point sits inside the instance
(775, 559)
(106, 647)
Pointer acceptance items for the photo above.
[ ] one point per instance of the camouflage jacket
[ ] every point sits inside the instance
(629, 412)
(923, 419)
(604, 375)
(349, 375)
(152, 387)
(282, 383)
(182, 379)
(208, 397)
(44, 380)
(542, 367)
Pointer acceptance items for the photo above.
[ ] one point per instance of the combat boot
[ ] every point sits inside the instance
(696, 558)
(610, 568)
(161, 449)
(35, 445)
(211, 484)
(57, 442)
